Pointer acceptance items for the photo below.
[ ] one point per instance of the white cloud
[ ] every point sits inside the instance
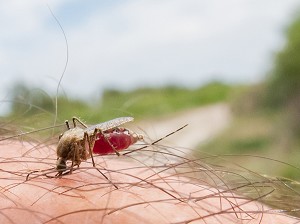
(135, 42)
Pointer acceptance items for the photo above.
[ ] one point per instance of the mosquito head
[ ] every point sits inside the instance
(61, 164)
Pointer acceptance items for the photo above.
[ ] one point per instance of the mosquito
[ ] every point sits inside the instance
(78, 144)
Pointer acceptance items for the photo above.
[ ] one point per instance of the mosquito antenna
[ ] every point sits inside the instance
(153, 143)
(66, 63)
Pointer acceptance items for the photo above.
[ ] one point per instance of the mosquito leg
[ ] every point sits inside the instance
(91, 145)
(87, 139)
(67, 124)
(32, 172)
(94, 136)
(72, 165)
(74, 155)
(111, 145)
(77, 120)
(68, 127)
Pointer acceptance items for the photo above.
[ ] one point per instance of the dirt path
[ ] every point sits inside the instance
(203, 124)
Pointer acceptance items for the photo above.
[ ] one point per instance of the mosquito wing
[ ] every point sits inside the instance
(109, 124)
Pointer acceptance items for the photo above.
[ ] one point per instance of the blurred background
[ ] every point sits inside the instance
(156, 59)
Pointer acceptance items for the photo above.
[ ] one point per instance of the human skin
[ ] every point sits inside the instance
(143, 194)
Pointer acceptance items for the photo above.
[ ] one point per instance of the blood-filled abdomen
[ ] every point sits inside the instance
(118, 140)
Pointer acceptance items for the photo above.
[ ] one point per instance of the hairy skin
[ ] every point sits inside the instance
(144, 194)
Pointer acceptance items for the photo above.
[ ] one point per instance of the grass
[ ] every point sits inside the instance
(261, 135)
(32, 108)
(153, 102)
(140, 103)
(258, 140)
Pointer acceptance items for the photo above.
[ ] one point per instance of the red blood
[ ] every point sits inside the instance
(120, 141)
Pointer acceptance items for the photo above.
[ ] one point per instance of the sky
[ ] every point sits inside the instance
(131, 43)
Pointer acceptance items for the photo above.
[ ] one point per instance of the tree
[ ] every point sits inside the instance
(283, 86)
(284, 82)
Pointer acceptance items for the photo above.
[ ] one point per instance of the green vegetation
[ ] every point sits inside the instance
(262, 135)
(267, 118)
(31, 103)
(152, 102)
(283, 86)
